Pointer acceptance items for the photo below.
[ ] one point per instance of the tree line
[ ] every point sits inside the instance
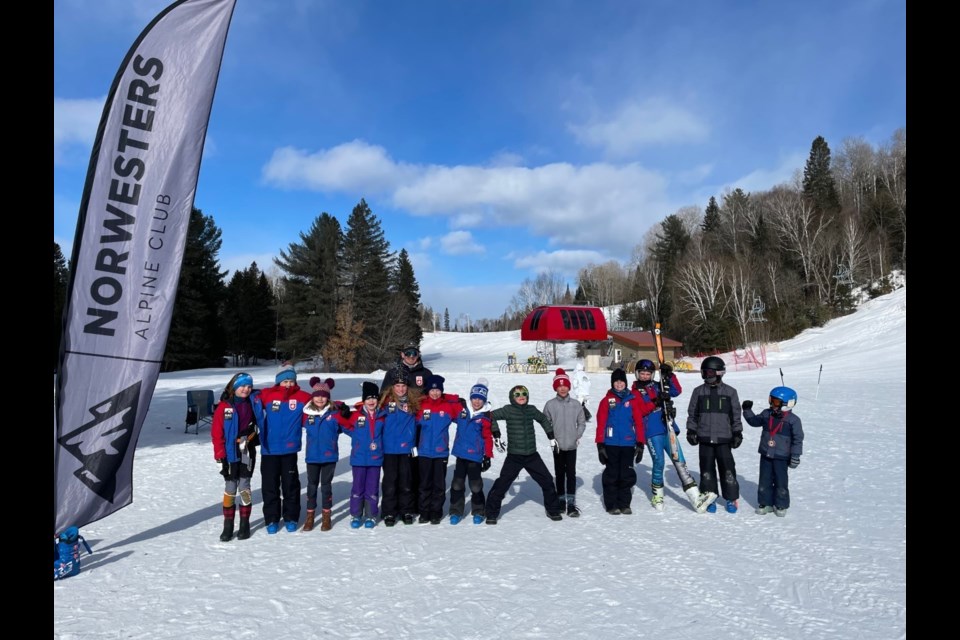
(792, 256)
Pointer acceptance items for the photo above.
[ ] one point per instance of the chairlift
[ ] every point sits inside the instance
(756, 313)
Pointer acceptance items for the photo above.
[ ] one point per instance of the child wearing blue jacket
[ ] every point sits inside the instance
(473, 448)
(365, 428)
(399, 404)
(619, 441)
(438, 410)
(322, 452)
(781, 445)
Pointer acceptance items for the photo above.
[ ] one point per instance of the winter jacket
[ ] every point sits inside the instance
(366, 434)
(323, 433)
(225, 427)
(282, 431)
(399, 428)
(653, 424)
(714, 413)
(569, 423)
(620, 418)
(433, 425)
(474, 439)
(784, 429)
(417, 375)
(521, 438)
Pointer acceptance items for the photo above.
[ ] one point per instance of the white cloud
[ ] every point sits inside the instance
(74, 123)
(351, 166)
(567, 262)
(421, 261)
(458, 243)
(765, 179)
(634, 126)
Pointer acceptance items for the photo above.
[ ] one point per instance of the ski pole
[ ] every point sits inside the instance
(781, 376)
(818, 382)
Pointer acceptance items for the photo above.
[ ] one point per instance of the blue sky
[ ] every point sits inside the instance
(496, 139)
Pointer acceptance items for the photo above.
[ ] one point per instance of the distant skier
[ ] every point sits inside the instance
(781, 445)
(713, 422)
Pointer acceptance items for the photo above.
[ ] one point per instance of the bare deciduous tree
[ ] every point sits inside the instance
(800, 229)
(740, 299)
(701, 287)
(547, 288)
(893, 175)
(654, 281)
(606, 284)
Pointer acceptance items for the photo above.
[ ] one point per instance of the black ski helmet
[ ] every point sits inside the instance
(714, 364)
(645, 365)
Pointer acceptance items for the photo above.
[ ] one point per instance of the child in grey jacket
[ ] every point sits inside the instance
(569, 423)
(781, 446)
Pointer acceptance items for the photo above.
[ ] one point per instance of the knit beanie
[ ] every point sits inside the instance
(242, 379)
(434, 382)
(287, 372)
(480, 390)
(370, 390)
(322, 387)
(618, 374)
(561, 378)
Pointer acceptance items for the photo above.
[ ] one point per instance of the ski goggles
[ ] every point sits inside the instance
(776, 403)
(411, 353)
(709, 373)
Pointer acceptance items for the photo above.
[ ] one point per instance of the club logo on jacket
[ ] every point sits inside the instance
(362, 420)
(419, 381)
(275, 405)
(292, 405)
(228, 414)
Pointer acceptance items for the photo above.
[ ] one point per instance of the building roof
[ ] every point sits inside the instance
(643, 339)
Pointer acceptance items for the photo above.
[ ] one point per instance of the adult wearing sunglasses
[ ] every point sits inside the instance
(410, 364)
(522, 453)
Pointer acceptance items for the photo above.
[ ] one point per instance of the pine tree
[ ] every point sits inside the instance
(196, 335)
(310, 283)
(248, 316)
(818, 184)
(446, 319)
(365, 279)
(405, 287)
(711, 217)
(668, 251)
(60, 277)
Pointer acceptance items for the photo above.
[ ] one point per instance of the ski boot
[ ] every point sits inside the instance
(732, 506)
(657, 498)
(227, 533)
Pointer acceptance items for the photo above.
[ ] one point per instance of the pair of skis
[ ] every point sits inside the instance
(700, 501)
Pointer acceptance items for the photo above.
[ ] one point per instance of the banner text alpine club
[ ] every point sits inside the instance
(127, 252)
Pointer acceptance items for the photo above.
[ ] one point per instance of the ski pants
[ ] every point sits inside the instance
(280, 474)
(365, 490)
(433, 486)
(773, 489)
(713, 456)
(565, 471)
(533, 464)
(320, 473)
(619, 476)
(397, 485)
(659, 448)
(466, 469)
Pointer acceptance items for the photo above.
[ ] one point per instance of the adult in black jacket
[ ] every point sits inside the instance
(412, 366)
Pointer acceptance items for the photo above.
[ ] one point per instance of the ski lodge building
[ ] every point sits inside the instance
(629, 346)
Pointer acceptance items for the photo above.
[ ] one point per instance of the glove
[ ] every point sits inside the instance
(665, 396)
(485, 465)
(602, 451)
(666, 371)
(463, 402)
(344, 411)
(672, 412)
(747, 404)
(413, 452)
(554, 445)
(794, 462)
(692, 438)
(737, 440)
(224, 467)
(501, 445)
(639, 453)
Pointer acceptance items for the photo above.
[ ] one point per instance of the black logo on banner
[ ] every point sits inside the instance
(101, 444)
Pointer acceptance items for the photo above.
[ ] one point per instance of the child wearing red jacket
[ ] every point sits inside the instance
(437, 411)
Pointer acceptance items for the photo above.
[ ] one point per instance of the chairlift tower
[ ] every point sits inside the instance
(844, 276)
(756, 312)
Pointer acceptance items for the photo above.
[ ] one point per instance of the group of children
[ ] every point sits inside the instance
(400, 445)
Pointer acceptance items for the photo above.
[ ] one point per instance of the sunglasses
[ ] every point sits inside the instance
(519, 394)
(410, 353)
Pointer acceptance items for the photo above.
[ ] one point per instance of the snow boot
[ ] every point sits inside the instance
(244, 531)
(390, 521)
(290, 526)
(325, 524)
(308, 523)
(477, 518)
(355, 522)
(492, 520)
(626, 511)
(227, 533)
(657, 496)
(455, 519)
(370, 523)
(781, 513)
(408, 518)
(712, 507)
(732, 506)
(273, 527)
(572, 510)
(614, 512)
(563, 502)
(762, 511)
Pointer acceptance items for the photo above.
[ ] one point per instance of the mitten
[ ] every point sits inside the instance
(554, 445)
(666, 370)
(463, 402)
(737, 439)
(639, 453)
(345, 411)
(664, 395)
(747, 404)
(224, 467)
(485, 464)
(794, 462)
(602, 451)
(692, 437)
(500, 444)
(672, 412)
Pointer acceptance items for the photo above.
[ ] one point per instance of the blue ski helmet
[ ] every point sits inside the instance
(783, 398)
(645, 365)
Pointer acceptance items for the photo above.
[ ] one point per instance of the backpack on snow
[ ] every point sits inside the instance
(67, 562)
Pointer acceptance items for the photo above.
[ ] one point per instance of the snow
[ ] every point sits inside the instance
(835, 567)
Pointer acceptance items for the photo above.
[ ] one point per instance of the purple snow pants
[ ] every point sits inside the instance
(366, 487)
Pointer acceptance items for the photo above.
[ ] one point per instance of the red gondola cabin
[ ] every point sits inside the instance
(565, 324)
